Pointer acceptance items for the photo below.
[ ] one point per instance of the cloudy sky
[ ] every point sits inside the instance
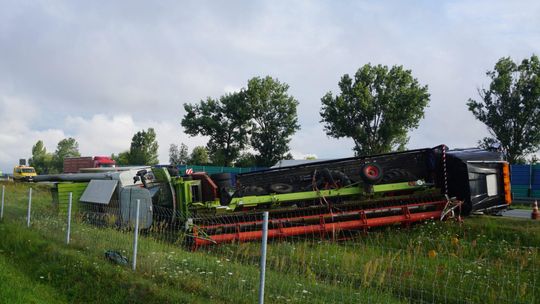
(99, 71)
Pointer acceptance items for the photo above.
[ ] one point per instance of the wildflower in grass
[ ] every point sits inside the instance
(432, 254)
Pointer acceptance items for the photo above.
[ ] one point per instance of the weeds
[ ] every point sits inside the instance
(484, 260)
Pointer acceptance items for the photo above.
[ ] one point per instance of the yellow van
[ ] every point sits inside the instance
(24, 173)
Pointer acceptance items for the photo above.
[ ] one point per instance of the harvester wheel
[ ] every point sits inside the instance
(281, 188)
(371, 173)
(331, 179)
(254, 190)
(324, 178)
(341, 178)
(398, 175)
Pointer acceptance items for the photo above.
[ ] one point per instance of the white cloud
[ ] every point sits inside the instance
(16, 133)
(100, 72)
(99, 135)
(104, 135)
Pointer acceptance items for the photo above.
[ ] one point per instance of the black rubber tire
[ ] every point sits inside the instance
(281, 188)
(341, 177)
(327, 176)
(371, 173)
(254, 190)
(324, 176)
(397, 176)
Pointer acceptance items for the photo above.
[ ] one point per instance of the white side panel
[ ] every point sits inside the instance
(492, 185)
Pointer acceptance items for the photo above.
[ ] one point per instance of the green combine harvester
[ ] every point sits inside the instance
(325, 198)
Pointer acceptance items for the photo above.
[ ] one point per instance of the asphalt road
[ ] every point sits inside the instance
(519, 213)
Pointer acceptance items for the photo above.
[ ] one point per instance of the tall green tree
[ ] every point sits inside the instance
(199, 156)
(122, 159)
(41, 160)
(510, 108)
(225, 121)
(67, 147)
(178, 155)
(144, 148)
(376, 108)
(174, 154)
(246, 160)
(273, 119)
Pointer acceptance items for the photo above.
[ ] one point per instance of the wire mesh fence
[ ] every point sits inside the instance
(430, 262)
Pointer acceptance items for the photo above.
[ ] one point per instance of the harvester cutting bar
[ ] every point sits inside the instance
(319, 224)
(310, 218)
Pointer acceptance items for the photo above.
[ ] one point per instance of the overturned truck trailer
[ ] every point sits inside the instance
(357, 193)
(325, 198)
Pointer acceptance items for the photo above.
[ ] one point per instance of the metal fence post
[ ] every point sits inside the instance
(136, 239)
(2, 206)
(263, 256)
(68, 233)
(29, 207)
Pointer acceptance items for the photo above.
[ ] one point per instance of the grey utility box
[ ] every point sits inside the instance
(128, 206)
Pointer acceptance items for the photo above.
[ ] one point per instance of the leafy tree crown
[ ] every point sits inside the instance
(376, 108)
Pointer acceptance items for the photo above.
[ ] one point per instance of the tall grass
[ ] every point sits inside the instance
(483, 260)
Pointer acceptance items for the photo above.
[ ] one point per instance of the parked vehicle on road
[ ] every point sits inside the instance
(74, 164)
(24, 173)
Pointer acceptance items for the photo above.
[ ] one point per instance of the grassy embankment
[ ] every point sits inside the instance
(483, 260)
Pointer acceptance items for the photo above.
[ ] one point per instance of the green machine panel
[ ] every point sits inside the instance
(63, 195)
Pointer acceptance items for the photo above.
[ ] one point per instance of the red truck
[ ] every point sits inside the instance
(74, 164)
